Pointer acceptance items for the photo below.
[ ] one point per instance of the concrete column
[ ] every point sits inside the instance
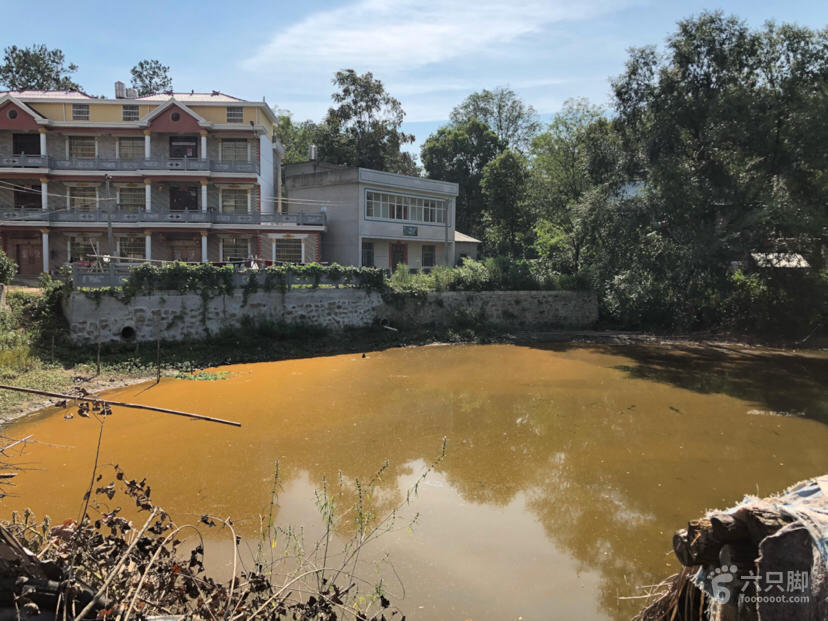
(147, 245)
(44, 192)
(303, 241)
(45, 237)
(204, 194)
(147, 145)
(43, 150)
(148, 194)
(203, 247)
(204, 145)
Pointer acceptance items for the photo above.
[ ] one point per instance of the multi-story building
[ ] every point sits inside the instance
(175, 176)
(377, 218)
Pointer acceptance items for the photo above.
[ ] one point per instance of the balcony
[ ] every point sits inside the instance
(171, 164)
(123, 216)
(24, 161)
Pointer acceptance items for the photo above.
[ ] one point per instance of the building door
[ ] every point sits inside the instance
(29, 256)
(183, 199)
(399, 254)
(26, 144)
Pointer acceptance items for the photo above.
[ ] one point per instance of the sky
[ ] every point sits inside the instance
(429, 54)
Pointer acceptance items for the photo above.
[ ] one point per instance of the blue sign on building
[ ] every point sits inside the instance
(409, 231)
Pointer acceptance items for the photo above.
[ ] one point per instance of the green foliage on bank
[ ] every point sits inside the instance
(8, 268)
(211, 280)
(494, 274)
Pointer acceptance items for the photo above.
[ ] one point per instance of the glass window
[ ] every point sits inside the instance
(234, 201)
(368, 254)
(83, 249)
(130, 112)
(80, 112)
(131, 148)
(234, 149)
(131, 248)
(82, 147)
(83, 199)
(428, 256)
(409, 208)
(235, 248)
(235, 114)
(132, 199)
(289, 250)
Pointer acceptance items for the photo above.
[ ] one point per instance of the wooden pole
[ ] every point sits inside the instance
(157, 359)
(122, 404)
(99, 350)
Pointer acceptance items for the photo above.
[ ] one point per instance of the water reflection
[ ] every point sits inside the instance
(567, 467)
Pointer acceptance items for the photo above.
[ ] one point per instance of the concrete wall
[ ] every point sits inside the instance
(179, 317)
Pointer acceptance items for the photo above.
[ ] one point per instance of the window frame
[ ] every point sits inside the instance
(381, 205)
(235, 110)
(140, 242)
(80, 111)
(132, 206)
(247, 201)
(74, 156)
(368, 249)
(234, 141)
(81, 203)
(236, 241)
(131, 108)
(137, 140)
(296, 253)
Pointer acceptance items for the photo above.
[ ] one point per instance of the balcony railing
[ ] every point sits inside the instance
(161, 215)
(24, 161)
(170, 164)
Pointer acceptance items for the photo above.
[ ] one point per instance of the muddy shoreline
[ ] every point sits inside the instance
(373, 340)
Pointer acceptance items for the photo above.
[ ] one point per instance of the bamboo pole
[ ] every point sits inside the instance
(122, 404)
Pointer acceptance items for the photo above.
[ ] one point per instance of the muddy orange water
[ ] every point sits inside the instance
(567, 470)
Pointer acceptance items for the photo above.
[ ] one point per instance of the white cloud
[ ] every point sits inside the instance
(402, 35)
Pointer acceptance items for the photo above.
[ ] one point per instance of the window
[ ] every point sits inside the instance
(28, 198)
(234, 201)
(289, 250)
(183, 146)
(80, 112)
(82, 147)
(368, 254)
(132, 199)
(83, 249)
(131, 148)
(397, 207)
(399, 254)
(83, 199)
(132, 248)
(129, 112)
(234, 149)
(235, 114)
(428, 256)
(235, 249)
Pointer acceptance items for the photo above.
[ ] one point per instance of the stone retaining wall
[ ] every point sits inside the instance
(177, 317)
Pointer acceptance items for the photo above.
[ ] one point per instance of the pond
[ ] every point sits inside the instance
(567, 469)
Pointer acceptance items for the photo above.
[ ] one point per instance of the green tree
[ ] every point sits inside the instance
(578, 152)
(36, 68)
(295, 137)
(514, 122)
(506, 217)
(726, 130)
(150, 77)
(363, 128)
(460, 153)
(8, 268)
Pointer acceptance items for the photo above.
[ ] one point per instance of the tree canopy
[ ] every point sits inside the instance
(513, 121)
(460, 153)
(150, 77)
(363, 128)
(36, 68)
